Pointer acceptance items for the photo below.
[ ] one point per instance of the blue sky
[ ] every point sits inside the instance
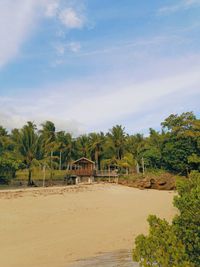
(90, 64)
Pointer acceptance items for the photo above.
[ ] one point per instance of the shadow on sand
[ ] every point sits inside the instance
(120, 258)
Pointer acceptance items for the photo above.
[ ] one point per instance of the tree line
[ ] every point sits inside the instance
(176, 148)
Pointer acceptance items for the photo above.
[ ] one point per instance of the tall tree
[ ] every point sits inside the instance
(28, 143)
(9, 160)
(83, 145)
(96, 142)
(67, 147)
(181, 141)
(117, 137)
(49, 145)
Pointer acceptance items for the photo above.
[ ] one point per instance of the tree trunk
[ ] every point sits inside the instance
(30, 182)
(97, 159)
(143, 167)
(137, 168)
(51, 168)
(118, 154)
(60, 163)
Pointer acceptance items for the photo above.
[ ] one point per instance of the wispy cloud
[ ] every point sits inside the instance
(16, 22)
(51, 8)
(148, 42)
(19, 18)
(106, 76)
(182, 5)
(70, 16)
(71, 19)
(77, 107)
(62, 48)
(74, 46)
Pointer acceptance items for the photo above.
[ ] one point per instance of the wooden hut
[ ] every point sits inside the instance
(83, 167)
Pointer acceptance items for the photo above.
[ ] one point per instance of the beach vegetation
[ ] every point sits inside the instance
(175, 148)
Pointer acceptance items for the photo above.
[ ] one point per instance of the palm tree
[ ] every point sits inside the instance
(66, 147)
(96, 142)
(49, 145)
(82, 143)
(48, 132)
(136, 145)
(117, 138)
(28, 143)
(5, 141)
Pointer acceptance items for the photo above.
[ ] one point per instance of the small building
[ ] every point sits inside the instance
(83, 167)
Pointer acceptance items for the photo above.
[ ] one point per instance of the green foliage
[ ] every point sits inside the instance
(194, 161)
(187, 223)
(177, 244)
(95, 144)
(28, 145)
(117, 140)
(8, 168)
(175, 149)
(3, 131)
(161, 247)
(83, 145)
(37, 175)
(180, 142)
(176, 123)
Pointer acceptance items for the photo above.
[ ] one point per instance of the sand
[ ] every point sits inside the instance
(52, 227)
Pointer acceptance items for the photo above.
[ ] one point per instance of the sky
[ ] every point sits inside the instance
(88, 65)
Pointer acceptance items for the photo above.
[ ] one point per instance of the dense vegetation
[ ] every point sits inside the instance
(176, 244)
(176, 148)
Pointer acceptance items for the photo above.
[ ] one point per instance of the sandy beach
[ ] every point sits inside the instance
(53, 227)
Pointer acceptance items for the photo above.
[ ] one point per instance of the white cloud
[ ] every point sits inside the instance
(52, 7)
(60, 49)
(74, 46)
(131, 98)
(183, 5)
(19, 18)
(16, 22)
(15, 112)
(82, 106)
(71, 19)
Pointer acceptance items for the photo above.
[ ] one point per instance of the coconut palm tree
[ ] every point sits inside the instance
(117, 138)
(49, 145)
(82, 143)
(48, 132)
(28, 143)
(66, 148)
(96, 142)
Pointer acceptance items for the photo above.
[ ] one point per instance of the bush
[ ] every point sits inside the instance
(8, 169)
(187, 223)
(178, 244)
(161, 247)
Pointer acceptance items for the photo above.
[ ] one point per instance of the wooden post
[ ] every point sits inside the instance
(44, 175)
(60, 166)
(117, 180)
(143, 167)
(137, 168)
(51, 166)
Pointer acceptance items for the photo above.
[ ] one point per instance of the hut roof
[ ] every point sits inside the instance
(83, 159)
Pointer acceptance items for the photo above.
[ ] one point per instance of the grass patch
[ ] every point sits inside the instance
(22, 175)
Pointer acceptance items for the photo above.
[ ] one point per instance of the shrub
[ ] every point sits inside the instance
(178, 244)
(8, 168)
